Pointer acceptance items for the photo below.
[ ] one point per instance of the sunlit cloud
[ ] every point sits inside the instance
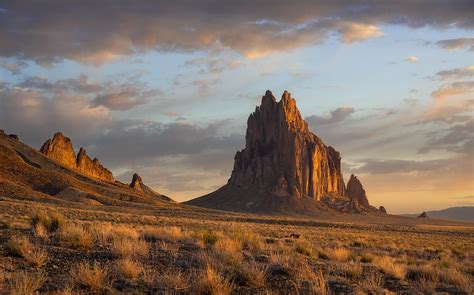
(412, 59)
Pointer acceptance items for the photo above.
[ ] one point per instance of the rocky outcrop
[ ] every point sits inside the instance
(93, 168)
(283, 164)
(138, 185)
(423, 215)
(356, 193)
(60, 149)
(382, 210)
(281, 155)
(136, 182)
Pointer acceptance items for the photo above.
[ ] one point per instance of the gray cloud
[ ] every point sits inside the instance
(334, 116)
(457, 138)
(15, 66)
(460, 43)
(375, 166)
(457, 73)
(95, 32)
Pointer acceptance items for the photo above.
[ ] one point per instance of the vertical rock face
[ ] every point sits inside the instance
(355, 191)
(92, 167)
(281, 155)
(136, 182)
(138, 185)
(60, 149)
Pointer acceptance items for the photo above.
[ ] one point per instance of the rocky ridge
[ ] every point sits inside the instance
(60, 149)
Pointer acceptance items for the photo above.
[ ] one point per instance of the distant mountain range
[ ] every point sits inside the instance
(464, 213)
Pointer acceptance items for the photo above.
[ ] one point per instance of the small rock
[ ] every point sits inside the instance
(14, 136)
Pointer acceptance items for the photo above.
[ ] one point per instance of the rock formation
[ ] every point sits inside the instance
(138, 185)
(382, 210)
(423, 215)
(355, 191)
(60, 149)
(281, 155)
(282, 164)
(136, 182)
(92, 168)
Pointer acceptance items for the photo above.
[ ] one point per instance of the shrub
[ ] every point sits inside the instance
(52, 221)
(390, 267)
(174, 280)
(89, 276)
(339, 254)
(211, 282)
(208, 237)
(128, 268)
(76, 236)
(26, 283)
(22, 247)
(129, 247)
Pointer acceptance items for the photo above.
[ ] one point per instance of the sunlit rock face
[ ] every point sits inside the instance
(60, 149)
(92, 167)
(282, 157)
(355, 191)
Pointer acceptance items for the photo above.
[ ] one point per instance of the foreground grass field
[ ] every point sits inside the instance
(65, 250)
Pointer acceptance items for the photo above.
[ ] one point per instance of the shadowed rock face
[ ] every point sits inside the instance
(282, 157)
(423, 215)
(382, 210)
(136, 182)
(60, 149)
(355, 191)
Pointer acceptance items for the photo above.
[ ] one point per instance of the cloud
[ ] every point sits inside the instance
(124, 100)
(455, 44)
(15, 66)
(99, 32)
(36, 116)
(456, 88)
(412, 59)
(458, 138)
(457, 73)
(376, 166)
(355, 32)
(334, 116)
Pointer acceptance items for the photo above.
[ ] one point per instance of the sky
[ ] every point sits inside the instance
(164, 88)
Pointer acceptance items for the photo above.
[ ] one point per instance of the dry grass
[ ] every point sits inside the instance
(458, 279)
(23, 283)
(338, 254)
(174, 281)
(22, 247)
(76, 236)
(388, 265)
(90, 276)
(211, 282)
(124, 247)
(169, 234)
(52, 220)
(128, 268)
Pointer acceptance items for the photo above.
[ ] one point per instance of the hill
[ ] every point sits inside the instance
(465, 213)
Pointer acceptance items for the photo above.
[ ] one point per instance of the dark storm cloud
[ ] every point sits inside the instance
(460, 43)
(334, 116)
(97, 31)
